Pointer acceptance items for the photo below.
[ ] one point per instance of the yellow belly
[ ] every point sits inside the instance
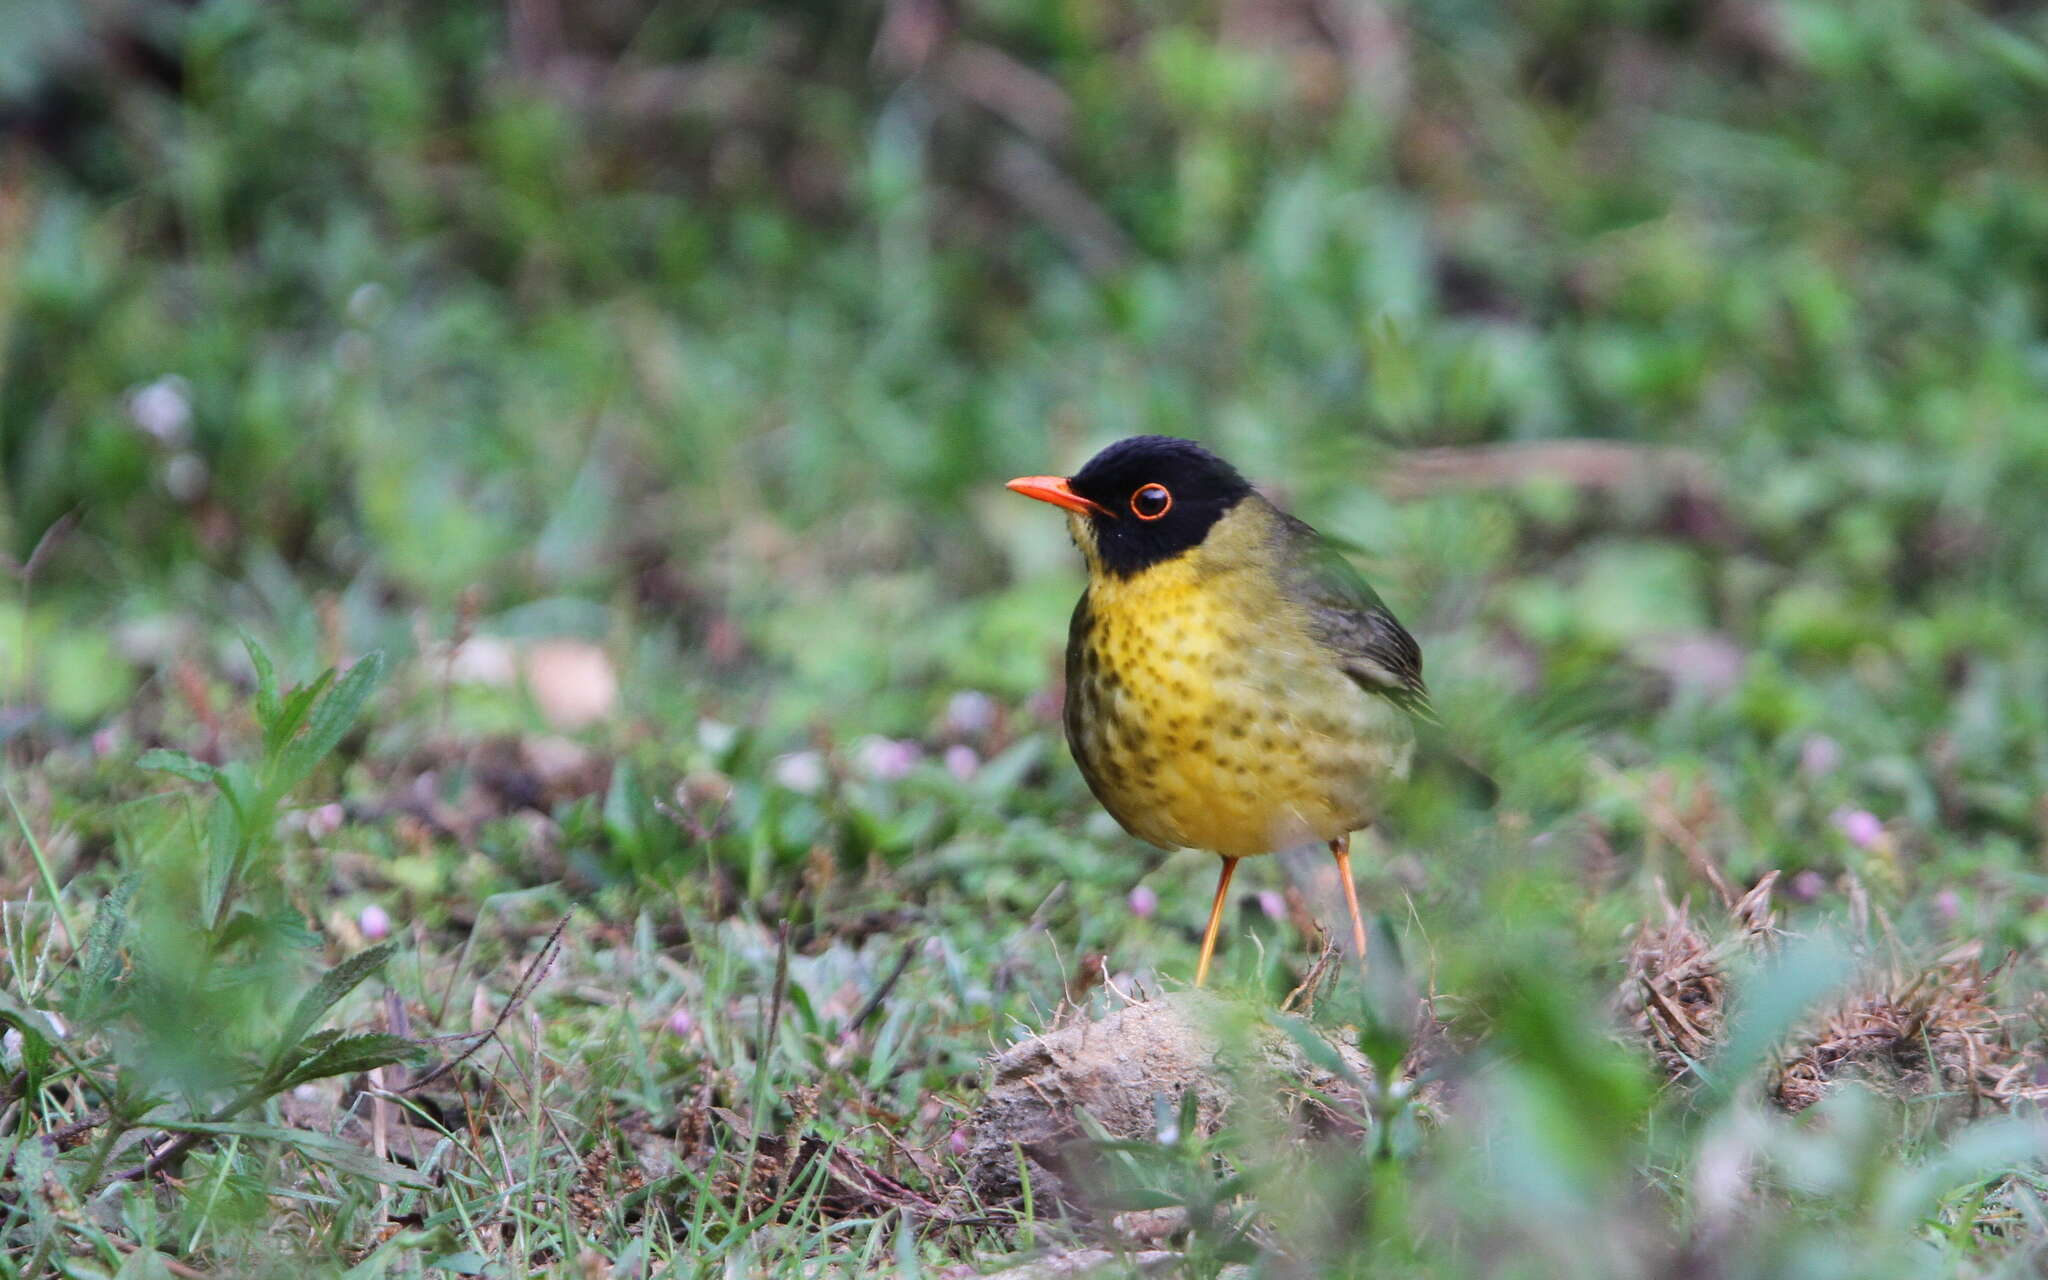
(1204, 716)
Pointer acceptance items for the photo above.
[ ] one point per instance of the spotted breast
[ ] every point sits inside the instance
(1205, 712)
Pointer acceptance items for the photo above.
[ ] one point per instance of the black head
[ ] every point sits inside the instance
(1143, 500)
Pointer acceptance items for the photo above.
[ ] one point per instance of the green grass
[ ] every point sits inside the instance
(382, 329)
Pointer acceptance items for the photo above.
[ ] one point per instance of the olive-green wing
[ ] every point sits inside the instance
(1349, 618)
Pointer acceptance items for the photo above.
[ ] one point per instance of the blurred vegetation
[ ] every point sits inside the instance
(641, 378)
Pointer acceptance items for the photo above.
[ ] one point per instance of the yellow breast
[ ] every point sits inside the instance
(1204, 715)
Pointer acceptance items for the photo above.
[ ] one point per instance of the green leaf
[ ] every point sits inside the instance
(35, 1161)
(266, 682)
(99, 960)
(1320, 1053)
(1773, 1001)
(102, 952)
(623, 806)
(164, 760)
(145, 1264)
(28, 1021)
(329, 721)
(343, 1157)
(223, 844)
(349, 1055)
(338, 982)
(292, 713)
(283, 927)
(36, 1035)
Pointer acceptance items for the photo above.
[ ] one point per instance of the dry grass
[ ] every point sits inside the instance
(1913, 1030)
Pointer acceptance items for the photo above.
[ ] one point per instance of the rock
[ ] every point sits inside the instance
(1113, 1069)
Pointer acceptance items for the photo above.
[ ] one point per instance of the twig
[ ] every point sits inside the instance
(527, 982)
(1312, 981)
(874, 1001)
(174, 1150)
(68, 1136)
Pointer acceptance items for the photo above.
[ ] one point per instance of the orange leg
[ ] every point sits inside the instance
(1215, 919)
(1341, 847)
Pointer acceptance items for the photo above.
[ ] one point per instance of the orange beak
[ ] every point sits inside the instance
(1058, 492)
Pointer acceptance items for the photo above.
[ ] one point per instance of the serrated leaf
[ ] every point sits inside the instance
(266, 682)
(101, 955)
(338, 982)
(349, 1055)
(164, 760)
(314, 1043)
(344, 1157)
(223, 856)
(329, 721)
(291, 714)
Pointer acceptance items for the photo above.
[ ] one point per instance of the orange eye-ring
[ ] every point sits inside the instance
(1151, 502)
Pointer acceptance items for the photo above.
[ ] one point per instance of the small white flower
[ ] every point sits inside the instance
(366, 302)
(162, 410)
(971, 712)
(185, 476)
(484, 660)
(716, 736)
(800, 771)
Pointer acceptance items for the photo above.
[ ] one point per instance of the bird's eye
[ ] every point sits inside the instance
(1151, 502)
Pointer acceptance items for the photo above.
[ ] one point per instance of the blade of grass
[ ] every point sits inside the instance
(49, 878)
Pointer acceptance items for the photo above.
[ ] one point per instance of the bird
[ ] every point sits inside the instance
(1232, 683)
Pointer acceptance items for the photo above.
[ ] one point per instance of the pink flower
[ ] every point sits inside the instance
(375, 922)
(1947, 906)
(1272, 904)
(1807, 886)
(680, 1023)
(1864, 829)
(886, 759)
(957, 1140)
(962, 761)
(1819, 755)
(971, 713)
(1143, 902)
(324, 821)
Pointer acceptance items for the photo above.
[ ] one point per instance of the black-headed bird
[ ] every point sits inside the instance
(1233, 684)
